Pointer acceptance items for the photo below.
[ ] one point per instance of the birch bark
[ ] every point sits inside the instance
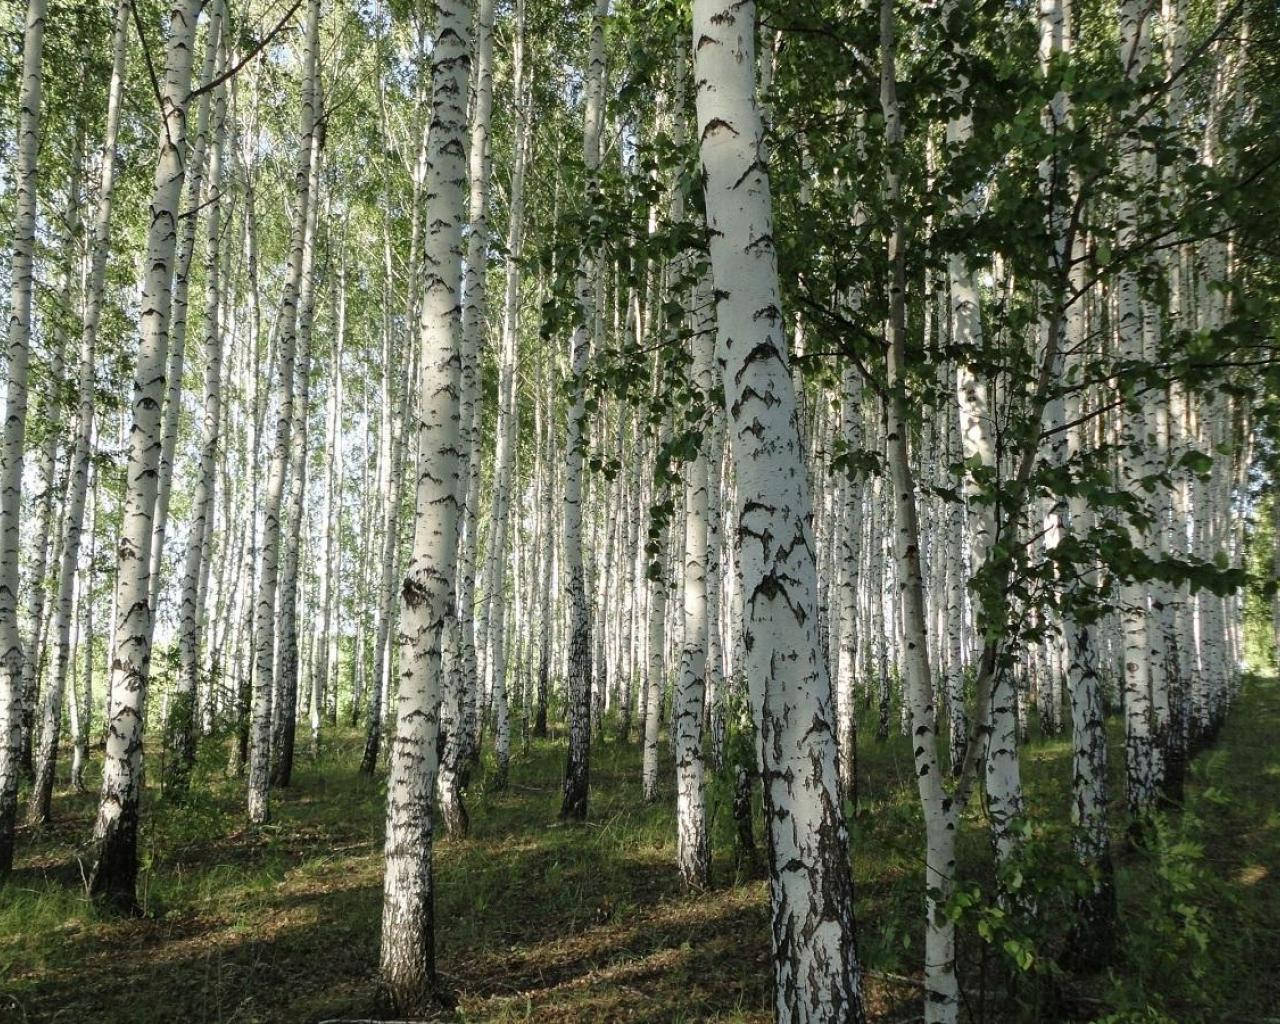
(114, 857)
(264, 629)
(816, 971)
(577, 768)
(427, 593)
(15, 424)
(180, 732)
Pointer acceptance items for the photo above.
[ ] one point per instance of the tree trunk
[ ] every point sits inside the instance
(178, 319)
(816, 971)
(114, 858)
(940, 813)
(21, 276)
(180, 729)
(324, 670)
(577, 767)
(264, 632)
(1141, 769)
(408, 953)
(287, 683)
(693, 855)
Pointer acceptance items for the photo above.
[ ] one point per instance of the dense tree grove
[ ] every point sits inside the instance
(754, 386)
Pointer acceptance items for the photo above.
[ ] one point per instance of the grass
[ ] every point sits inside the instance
(547, 922)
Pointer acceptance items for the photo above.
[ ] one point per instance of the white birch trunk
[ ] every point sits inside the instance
(180, 729)
(816, 970)
(577, 768)
(1140, 753)
(407, 957)
(178, 317)
(693, 855)
(941, 1002)
(114, 859)
(264, 628)
(19, 341)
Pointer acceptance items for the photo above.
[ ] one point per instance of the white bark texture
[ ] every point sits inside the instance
(463, 677)
(427, 593)
(941, 999)
(577, 767)
(816, 970)
(180, 729)
(264, 626)
(15, 424)
(73, 515)
(114, 859)
(692, 849)
(1140, 753)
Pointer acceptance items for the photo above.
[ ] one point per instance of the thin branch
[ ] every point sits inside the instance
(213, 83)
(151, 70)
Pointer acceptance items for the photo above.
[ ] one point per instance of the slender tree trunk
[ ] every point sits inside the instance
(324, 665)
(816, 971)
(287, 683)
(180, 729)
(1141, 770)
(82, 721)
(21, 277)
(940, 815)
(850, 537)
(549, 552)
(408, 953)
(114, 858)
(49, 414)
(693, 854)
(264, 633)
(178, 319)
(655, 674)
(978, 444)
(577, 770)
(61, 615)
(461, 749)
(508, 432)
(386, 587)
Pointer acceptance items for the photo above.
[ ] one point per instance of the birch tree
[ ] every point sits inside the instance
(408, 954)
(73, 514)
(577, 768)
(113, 862)
(21, 276)
(180, 733)
(816, 972)
(268, 581)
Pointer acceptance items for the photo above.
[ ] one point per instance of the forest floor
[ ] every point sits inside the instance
(546, 922)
